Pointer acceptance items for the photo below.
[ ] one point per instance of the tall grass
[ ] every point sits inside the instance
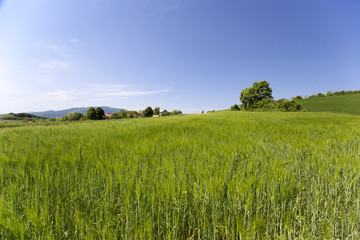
(228, 175)
(337, 104)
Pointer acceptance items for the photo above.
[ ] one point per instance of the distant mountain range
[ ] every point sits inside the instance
(61, 113)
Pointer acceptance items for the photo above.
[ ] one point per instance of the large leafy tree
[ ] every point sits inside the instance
(157, 111)
(91, 113)
(100, 114)
(257, 94)
(148, 112)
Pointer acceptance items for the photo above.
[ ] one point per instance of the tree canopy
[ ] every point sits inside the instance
(157, 111)
(148, 112)
(100, 114)
(252, 96)
(91, 113)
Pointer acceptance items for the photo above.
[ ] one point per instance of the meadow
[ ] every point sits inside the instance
(349, 104)
(225, 175)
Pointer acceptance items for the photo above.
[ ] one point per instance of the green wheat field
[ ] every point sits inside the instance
(225, 175)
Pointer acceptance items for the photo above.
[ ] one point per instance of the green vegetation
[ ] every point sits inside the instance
(100, 114)
(337, 104)
(172, 113)
(148, 112)
(226, 175)
(20, 116)
(91, 114)
(72, 116)
(259, 98)
(251, 97)
(331, 93)
(157, 111)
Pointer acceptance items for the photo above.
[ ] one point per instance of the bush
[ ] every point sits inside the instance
(176, 112)
(297, 98)
(164, 114)
(285, 105)
(132, 114)
(235, 107)
(73, 116)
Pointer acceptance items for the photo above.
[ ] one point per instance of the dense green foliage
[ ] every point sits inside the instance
(132, 114)
(20, 116)
(100, 114)
(226, 175)
(157, 111)
(148, 112)
(259, 98)
(235, 107)
(91, 114)
(251, 96)
(72, 116)
(337, 104)
(119, 115)
(332, 93)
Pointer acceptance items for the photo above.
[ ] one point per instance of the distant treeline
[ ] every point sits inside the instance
(21, 116)
(329, 93)
(99, 114)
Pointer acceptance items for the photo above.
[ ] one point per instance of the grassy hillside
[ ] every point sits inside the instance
(227, 175)
(20, 116)
(337, 104)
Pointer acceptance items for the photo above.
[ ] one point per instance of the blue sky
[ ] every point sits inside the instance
(188, 55)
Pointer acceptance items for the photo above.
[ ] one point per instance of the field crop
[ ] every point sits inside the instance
(226, 175)
(349, 104)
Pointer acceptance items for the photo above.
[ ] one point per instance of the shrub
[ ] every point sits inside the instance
(285, 105)
(235, 107)
(73, 116)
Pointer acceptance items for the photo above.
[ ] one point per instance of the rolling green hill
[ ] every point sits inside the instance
(349, 104)
(20, 116)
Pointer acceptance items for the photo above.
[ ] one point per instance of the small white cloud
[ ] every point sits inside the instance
(100, 92)
(54, 65)
(171, 7)
(60, 95)
(44, 80)
(74, 40)
(60, 50)
(136, 93)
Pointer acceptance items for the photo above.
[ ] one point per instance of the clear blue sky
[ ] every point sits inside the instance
(188, 55)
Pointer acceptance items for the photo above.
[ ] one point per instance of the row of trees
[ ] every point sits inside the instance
(328, 93)
(148, 112)
(259, 98)
(91, 114)
(98, 114)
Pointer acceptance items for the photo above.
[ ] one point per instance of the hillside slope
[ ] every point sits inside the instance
(349, 104)
(20, 116)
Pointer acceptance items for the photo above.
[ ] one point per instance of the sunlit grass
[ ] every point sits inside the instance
(349, 104)
(227, 175)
